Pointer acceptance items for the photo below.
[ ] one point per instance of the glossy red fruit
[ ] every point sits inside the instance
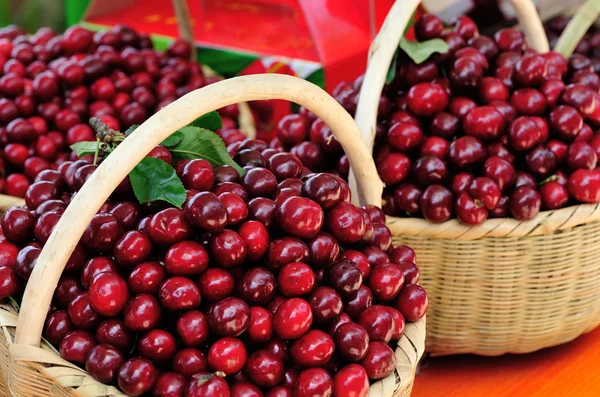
(189, 361)
(108, 294)
(260, 329)
(146, 278)
(326, 304)
(265, 369)
(427, 99)
(299, 217)
(169, 384)
(584, 185)
(205, 384)
(346, 223)
(379, 323)
(229, 317)
(351, 381)
(379, 361)
(186, 258)
(179, 293)
(245, 389)
(296, 279)
(386, 281)
(142, 313)
(352, 341)
(313, 382)
(103, 363)
(168, 227)
(137, 376)
(57, 326)
(227, 355)
(313, 349)
(525, 203)
(114, 333)
(216, 284)
(157, 345)
(292, 319)
(76, 345)
(554, 195)
(412, 302)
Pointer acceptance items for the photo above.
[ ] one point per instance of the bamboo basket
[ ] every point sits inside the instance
(38, 370)
(504, 286)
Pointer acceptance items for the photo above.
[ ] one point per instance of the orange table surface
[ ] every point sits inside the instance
(571, 370)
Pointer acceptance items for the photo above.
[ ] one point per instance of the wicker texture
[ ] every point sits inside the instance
(39, 371)
(505, 286)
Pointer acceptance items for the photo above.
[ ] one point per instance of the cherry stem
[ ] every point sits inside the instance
(530, 22)
(551, 178)
(577, 27)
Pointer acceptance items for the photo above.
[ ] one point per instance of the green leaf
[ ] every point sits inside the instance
(83, 148)
(200, 143)
(419, 52)
(173, 140)
(391, 74)
(131, 129)
(153, 179)
(210, 121)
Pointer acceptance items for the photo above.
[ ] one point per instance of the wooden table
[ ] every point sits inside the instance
(571, 370)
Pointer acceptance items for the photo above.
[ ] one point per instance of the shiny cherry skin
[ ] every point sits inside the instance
(256, 239)
(189, 361)
(286, 250)
(137, 376)
(313, 349)
(169, 384)
(352, 341)
(179, 293)
(57, 326)
(227, 355)
(204, 384)
(292, 319)
(299, 217)
(436, 203)
(146, 278)
(229, 317)
(379, 361)
(103, 363)
(296, 279)
(186, 258)
(108, 294)
(168, 227)
(265, 369)
(386, 281)
(379, 323)
(76, 345)
(142, 313)
(257, 286)
(216, 284)
(412, 302)
(192, 328)
(157, 345)
(114, 333)
(313, 382)
(554, 195)
(359, 302)
(245, 389)
(584, 185)
(345, 278)
(326, 304)
(525, 203)
(81, 313)
(351, 381)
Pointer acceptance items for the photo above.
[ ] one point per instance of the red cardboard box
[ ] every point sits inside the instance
(323, 41)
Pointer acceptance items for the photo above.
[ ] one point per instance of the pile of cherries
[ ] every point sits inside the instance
(50, 85)
(488, 129)
(269, 284)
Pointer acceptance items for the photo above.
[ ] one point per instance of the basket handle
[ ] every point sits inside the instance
(68, 231)
(385, 45)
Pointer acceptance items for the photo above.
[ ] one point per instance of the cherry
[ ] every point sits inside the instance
(345, 278)
(146, 278)
(412, 302)
(197, 174)
(261, 325)
(216, 284)
(186, 258)
(133, 247)
(103, 362)
(352, 341)
(484, 122)
(351, 381)
(584, 185)
(257, 286)
(385, 281)
(378, 322)
(404, 136)
(108, 294)
(286, 250)
(17, 224)
(313, 349)
(427, 99)
(76, 345)
(204, 210)
(567, 121)
(436, 203)
(168, 227)
(142, 313)
(57, 326)
(313, 382)
(379, 361)
(293, 129)
(323, 249)
(581, 155)
(393, 168)
(346, 223)
(237, 211)
(189, 361)
(296, 279)
(293, 318)
(204, 384)
(229, 317)
(169, 384)
(466, 151)
(428, 27)
(81, 313)
(227, 355)
(326, 305)
(113, 332)
(525, 203)
(554, 195)
(265, 369)
(136, 376)
(179, 293)
(102, 233)
(245, 389)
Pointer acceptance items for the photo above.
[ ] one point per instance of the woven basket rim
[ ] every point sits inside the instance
(546, 222)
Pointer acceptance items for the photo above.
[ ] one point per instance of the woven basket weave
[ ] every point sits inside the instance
(39, 371)
(504, 286)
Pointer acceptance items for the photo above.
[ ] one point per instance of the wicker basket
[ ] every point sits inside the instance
(39, 371)
(504, 286)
